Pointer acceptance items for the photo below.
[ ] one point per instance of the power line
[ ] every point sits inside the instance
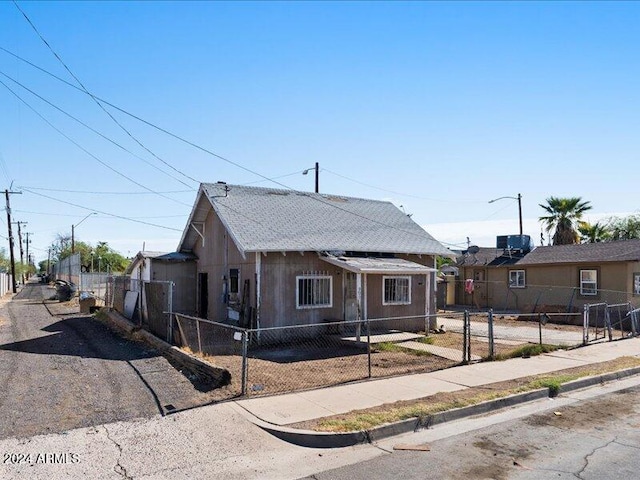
(398, 193)
(84, 149)
(95, 99)
(49, 214)
(107, 193)
(102, 212)
(64, 112)
(150, 124)
(205, 150)
(5, 170)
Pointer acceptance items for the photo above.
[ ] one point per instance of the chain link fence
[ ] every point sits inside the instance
(300, 357)
(505, 298)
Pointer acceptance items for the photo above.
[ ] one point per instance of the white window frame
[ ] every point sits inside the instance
(402, 301)
(519, 280)
(636, 283)
(315, 300)
(593, 290)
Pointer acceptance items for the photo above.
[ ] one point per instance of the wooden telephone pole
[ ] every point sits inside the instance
(11, 256)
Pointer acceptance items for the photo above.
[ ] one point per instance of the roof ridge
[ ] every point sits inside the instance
(292, 190)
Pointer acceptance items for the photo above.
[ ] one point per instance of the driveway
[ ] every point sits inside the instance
(59, 372)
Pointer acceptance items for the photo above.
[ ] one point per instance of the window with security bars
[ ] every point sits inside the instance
(396, 290)
(636, 283)
(314, 291)
(588, 282)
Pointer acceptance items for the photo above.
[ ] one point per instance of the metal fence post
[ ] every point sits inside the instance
(199, 339)
(540, 327)
(469, 338)
(465, 337)
(170, 325)
(369, 346)
(607, 321)
(245, 363)
(492, 347)
(585, 324)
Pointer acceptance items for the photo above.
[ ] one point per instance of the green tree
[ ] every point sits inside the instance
(625, 228)
(109, 258)
(102, 256)
(594, 233)
(4, 260)
(564, 216)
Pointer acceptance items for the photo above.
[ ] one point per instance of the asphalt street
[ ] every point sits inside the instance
(577, 436)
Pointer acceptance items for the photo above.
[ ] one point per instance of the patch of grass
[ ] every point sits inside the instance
(366, 419)
(387, 347)
(426, 340)
(528, 350)
(397, 347)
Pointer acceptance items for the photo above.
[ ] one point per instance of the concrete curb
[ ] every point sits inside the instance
(598, 379)
(217, 375)
(313, 439)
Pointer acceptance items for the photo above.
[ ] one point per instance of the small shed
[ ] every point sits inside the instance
(176, 267)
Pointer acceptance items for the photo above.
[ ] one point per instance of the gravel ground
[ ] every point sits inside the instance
(67, 371)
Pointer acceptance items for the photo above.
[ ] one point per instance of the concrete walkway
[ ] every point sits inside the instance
(282, 410)
(509, 332)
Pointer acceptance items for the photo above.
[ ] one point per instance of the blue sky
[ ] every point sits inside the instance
(438, 107)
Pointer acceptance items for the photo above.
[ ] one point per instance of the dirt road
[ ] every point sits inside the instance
(68, 371)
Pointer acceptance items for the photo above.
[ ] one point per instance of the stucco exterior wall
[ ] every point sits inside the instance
(552, 287)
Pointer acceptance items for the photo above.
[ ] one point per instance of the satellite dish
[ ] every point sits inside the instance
(473, 249)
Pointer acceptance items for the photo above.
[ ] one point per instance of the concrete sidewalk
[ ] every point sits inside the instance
(287, 409)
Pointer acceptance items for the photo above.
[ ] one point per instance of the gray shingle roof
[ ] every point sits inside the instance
(265, 219)
(620, 251)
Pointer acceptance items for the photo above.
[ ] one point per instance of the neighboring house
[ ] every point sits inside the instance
(176, 267)
(554, 278)
(269, 258)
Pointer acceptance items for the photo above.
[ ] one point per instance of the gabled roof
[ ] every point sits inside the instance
(272, 220)
(141, 255)
(619, 251)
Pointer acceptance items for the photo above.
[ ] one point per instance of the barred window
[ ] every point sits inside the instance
(314, 291)
(636, 283)
(396, 290)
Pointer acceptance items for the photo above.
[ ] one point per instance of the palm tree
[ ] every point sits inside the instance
(564, 216)
(595, 233)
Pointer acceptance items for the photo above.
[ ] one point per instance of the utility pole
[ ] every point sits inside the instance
(21, 248)
(27, 242)
(13, 261)
(49, 262)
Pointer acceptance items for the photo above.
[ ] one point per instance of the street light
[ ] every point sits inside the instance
(73, 227)
(317, 169)
(519, 199)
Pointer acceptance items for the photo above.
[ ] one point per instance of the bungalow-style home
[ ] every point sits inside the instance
(552, 278)
(176, 267)
(271, 257)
